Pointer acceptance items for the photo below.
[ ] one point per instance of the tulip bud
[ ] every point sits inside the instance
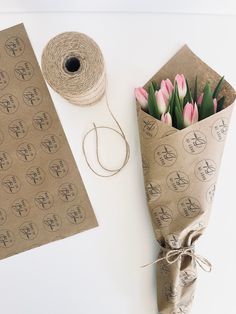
(166, 118)
(181, 84)
(199, 100)
(161, 101)
(142, 97)
(190, 114)
(215, 105)
(167, 88)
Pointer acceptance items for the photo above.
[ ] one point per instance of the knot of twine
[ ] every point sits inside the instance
(172, 256)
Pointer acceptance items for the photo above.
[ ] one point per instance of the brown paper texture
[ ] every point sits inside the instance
(42, 194)
(180, 173)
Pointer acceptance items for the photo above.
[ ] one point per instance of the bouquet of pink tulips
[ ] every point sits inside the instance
(175, 104)
(183, 125)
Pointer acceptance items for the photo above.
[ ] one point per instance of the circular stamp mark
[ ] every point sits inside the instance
(43, 200)
(4, 79)
(173, 241)
(50, 144)
(178, 181)
(28, 231)
(52, 222)
(17, 129)
(58, 168)
(42, 121)
(7, 238)
(211, 193)
(14, 46)
(3, 216)
(75, 214)
(189, 207)
(219, 129)
(153, 191)
(24, 71)
(5, 161)
(205, 170)
(8, 104)
(194, 142)
(11, 184)
(182, 309)
(67, 192)
(1, 137)
(32, 96)
(146, 166)
(162, 216)
(165, 155)
(187, 278)
(26, 152)
(35, 176)
(20, 207)
(150, 128)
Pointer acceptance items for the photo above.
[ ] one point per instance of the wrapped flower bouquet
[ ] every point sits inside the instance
(183, 121)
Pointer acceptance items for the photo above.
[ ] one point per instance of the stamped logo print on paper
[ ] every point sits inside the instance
(205, 170)
(35, 175)
(187, 278)
(178, 181)
(162, 216)
(58, 168)
(8, 104)
(42, 121)
(26, 152)
(1, 137)
(28, 231)
(75, 214)
(3, 216)
(173, 241)
(24, 71)
(14, 46)
(11, 184)
(165, 155)
(182, 309)
(32, 96)
(150, 128)
(194, 142)
(5, 161)
(210, 193)
(43, 200)
(17, 129)
(67, 192)
(4, 79)
(7, 238)
(219, 129)
(20, 207)
(52, 222)
(189, 207)
(153, 191)
(50, 144)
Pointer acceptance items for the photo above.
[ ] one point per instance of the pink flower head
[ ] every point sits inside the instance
(166, 118)
(167, 88)
(190, 114)
(199, 100)
(215, 105)
(141, 96)
(161, 101)
(181, 83)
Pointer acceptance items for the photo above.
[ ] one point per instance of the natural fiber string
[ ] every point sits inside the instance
(174, 255)
(73, 66)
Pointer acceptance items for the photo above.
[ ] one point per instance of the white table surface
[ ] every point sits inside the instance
(98, 271)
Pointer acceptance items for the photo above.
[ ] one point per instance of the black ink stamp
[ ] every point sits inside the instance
(43, 200)
(3, 216)
(24, 71)
(50, 144)
(153, 191)
(14, 46)
(165, 155)
(35, 176)
(52, 222)
(75, 214)
(8, 104)
(28, 231)
(67, 192)
(58, 168)
(26, 152)
(178, 181)
(194, 142)
(11, 184)
(42, 121)
(205, 170)
(5, 161)
(17, 129)
(7, 238)
(32, 96)
(150, 128)
(162, 216)
(189, 207)
(4, 79)
(20, 207)
(219, 129)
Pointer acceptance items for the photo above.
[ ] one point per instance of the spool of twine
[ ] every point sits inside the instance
(73, 65)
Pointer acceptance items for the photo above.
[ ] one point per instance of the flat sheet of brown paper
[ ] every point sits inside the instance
(42, 194)
(180, 172)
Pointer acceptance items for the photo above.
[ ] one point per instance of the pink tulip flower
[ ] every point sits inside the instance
(215, 105)
(142, 97)
(167, 88)
(161, 101)
(166, 118)
(190, 114)
(181, 83)
(199, 100)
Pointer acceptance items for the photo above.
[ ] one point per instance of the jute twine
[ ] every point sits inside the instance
(73, 65)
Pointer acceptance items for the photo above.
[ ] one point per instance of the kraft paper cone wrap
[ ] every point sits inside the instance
(42, 195)
(180, 173)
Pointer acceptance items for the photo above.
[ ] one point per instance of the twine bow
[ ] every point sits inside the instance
(174, 255)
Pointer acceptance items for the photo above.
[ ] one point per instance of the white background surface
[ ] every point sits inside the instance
(98, 271)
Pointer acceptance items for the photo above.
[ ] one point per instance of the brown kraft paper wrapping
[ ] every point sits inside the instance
(42, 194)
(180, 173)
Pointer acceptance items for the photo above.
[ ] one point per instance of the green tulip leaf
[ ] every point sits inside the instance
(152, 103)
(218, 88)
(179, 118)
(220, 104)
(188, 96)
(155, 85)
(207, 105)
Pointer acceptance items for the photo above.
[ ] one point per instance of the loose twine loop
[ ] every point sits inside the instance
(174, 255)
(73, 65)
